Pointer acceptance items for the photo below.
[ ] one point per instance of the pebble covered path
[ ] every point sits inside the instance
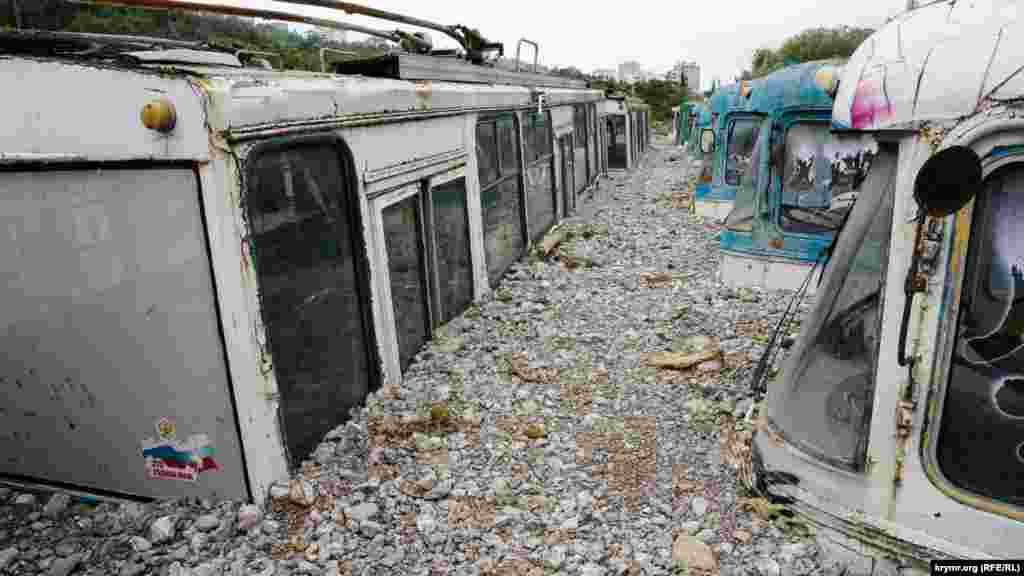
(578, 422)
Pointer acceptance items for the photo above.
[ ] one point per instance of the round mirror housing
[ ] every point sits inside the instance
(948, 181)
(707, 140)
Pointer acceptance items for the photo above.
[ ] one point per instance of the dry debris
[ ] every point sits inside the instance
(695, 555)
(655, 279)
(519, 365)
(475, 512)
(679, 360)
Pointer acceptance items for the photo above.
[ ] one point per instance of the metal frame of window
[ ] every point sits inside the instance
(360, 249)
(545, 156)
(776, 191)
(518, 174)
(592, 147)
(730, 122)
(781, 126)
(433, 268)
(567, 169)
(580, 140)
(380, 204)
(948, 338)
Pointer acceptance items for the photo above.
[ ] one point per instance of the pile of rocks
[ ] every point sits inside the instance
(534, 436)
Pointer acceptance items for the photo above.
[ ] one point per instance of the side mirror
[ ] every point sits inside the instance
(948, 181)
(707, 140)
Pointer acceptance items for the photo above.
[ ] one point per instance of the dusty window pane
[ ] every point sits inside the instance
(405, 265)
(579, 125)
(451, 230)
(740, 144)
(540, 198)
(508, 143)
(592, 136)
(823, 402)
(741, 218)
(981, 439)
(617, 142)
(820, 177)
(309, 297)
(503, 227)
(537, 128)
(486, 153)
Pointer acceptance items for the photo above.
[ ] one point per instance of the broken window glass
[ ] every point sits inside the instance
(820, 177)
(408, 286)
(451, 233)
(981, 439)
(311, 300)
(739, 146)
(741, 217)
(823, 402)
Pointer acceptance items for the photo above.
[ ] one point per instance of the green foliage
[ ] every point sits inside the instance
(298, 51)
(811, 44)
(661, 96)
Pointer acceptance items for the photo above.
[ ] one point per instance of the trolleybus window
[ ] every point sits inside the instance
(541, 198)
(981, 438)
(739, 145)
(820, 177)
(451, 240)
(823, 403)
(579, 117)
(487, 152)
(500, 193)
(741, 217)
(311, 299)
(403, 238)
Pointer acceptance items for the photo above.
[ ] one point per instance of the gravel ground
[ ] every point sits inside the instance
(536, 435)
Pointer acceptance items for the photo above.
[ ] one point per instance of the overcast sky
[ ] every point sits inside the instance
(720, 35)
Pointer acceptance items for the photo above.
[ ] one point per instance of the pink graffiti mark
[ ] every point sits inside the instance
(870, 105)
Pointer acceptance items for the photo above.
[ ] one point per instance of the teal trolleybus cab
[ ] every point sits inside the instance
(728, 109)
(799, 184)
(700, 161)
(897, 422)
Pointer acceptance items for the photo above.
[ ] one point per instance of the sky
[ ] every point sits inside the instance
(720, 36)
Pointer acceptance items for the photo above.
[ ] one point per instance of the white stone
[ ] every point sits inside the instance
(207, 522)
(161, 530)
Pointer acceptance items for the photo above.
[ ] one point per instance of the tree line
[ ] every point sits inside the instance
(811, 44)
(297, 51)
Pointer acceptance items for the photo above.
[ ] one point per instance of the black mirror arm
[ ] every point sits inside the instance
(913, 284)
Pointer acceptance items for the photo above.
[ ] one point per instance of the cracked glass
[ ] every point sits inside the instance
(302, 240)
(823, 401)
(981, 438)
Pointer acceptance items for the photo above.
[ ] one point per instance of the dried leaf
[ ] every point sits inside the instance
(655, 279)
(552, 240)
(679, 360)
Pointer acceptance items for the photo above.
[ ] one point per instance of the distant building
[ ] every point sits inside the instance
(630, 72)
(604, 73)
(692, 72)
